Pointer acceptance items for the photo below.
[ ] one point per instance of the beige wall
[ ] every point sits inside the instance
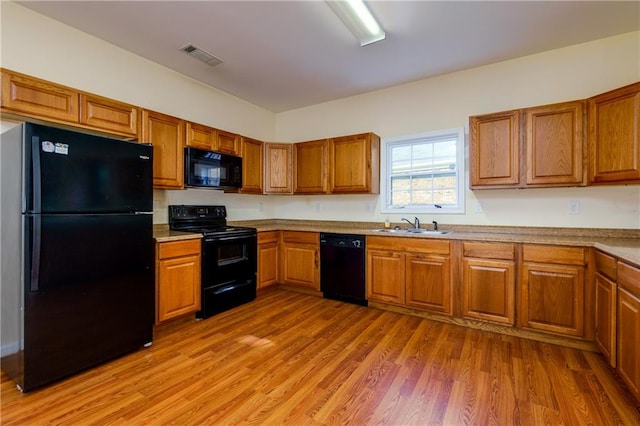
(38, 46)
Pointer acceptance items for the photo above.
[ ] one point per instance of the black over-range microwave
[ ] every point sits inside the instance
(208, 169)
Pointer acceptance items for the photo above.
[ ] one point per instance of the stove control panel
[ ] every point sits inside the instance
(187, 212)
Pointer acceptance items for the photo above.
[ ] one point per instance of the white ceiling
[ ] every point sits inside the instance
(283, 55)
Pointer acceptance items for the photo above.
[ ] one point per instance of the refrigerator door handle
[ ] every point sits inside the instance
(36, 183)
(36, 233)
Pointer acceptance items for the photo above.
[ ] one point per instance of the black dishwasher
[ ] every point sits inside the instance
(342, 267)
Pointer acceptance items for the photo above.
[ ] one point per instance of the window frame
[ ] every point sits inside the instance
(385, 177)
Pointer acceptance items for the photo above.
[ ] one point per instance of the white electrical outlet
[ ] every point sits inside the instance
(479, 208)
(317, 207)
(574, 207)
(260, 207)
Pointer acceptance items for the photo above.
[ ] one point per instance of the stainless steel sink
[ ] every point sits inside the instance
(427, 232)
(412, 231)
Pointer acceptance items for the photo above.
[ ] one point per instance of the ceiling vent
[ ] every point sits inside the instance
(201, 55)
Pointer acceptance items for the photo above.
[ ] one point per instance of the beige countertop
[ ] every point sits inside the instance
(162, 234)
(621, 243)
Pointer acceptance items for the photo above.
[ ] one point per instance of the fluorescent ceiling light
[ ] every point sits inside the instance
(357, 17)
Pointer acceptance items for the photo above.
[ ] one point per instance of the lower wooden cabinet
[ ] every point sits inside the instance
(300, 259)
(385, 275)
(428, 282)
(606, 306)
(552, 289)
(177, 279)
(628, 327)
(488, 282)
(412, 272)
(268, 258)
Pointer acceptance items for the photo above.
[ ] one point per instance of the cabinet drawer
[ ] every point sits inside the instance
(629, 278)
(489, 250)
(178, 248)
(268, 237)
(415, 245)
(606, 265)
(301, 237)
(553, 254)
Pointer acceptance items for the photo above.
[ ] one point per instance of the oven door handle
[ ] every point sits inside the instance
(229, 238)
(227, 288)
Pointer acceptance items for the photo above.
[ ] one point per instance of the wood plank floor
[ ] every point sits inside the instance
(290, 358)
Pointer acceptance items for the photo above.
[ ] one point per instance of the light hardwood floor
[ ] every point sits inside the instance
(290, 358)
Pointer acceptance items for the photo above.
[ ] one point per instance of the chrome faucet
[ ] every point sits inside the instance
(415, 224)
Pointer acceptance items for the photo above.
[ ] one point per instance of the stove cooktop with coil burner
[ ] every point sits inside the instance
(208, 220)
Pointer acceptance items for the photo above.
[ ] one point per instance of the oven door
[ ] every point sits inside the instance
(226, 260)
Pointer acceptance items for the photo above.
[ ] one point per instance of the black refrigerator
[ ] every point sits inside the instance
(77, 251)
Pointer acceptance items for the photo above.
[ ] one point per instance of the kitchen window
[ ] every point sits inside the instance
(424, 173)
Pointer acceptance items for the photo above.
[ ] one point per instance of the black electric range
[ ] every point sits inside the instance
(228, 256)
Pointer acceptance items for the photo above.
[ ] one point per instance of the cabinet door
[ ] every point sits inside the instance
(109, 115)
(552, 298)
(488, 290)
(227, 142)
(614, 136)
(278, 168)
(554, 141)
(37, 98)
(606, 303)
(200, 137)
(251, 166)
(177, 295)
(310, 167)
(166, 134)
(355, 164)
(177, 279)
(428, 282)
(300, 259)
(629, 340)
(495, 150)
(300, 265)
(385, 276)
(267, 264)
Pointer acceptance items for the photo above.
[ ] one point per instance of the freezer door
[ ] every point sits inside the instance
(70, 172)
(89, 292)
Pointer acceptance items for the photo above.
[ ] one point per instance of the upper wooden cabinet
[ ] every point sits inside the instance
(354, 164)
(549, 139)
(252, 166)
(227, 142)
(310, 167)
(614, 136)
(166, 134)
(106, 114)
(278, 168)
(200, 136)
(31, 97)
(494, 151)
(555, 144)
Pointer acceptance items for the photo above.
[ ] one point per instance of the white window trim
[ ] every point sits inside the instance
(460, 165)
